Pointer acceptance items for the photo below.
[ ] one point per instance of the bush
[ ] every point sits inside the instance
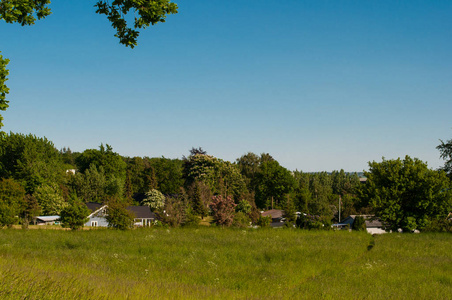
(359, 224)
(439, 225)
(191, 219)
(310, 222)
(74, 216)
(241, 220)
(264, 221)
(244, 206)
(118, 216)
(223, 209)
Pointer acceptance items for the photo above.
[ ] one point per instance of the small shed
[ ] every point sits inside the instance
(47, 220)
(277, 216)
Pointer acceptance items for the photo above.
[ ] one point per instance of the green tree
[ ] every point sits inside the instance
(3, 88)
(50, 199)
(289, 211)
(118, 217)
(222, 177)
(111, 162)
(12, 196)
(323, 200)
(90, 186)
(302, 194)
(30, 160)
(200, 197)
(359, 223)
(275, 182)
(145, 13)
(244, 206)
(135, 178)
(445, 150)
(249, 168)
(110, 169)
(406, 193)
(168, 173)
(75, 215)
(31, 210)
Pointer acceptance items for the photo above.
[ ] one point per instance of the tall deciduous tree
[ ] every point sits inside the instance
(275, 182)
(3, 88)
(406, 193)
(222, 177)
(107, 162)
(50, 199)
(169, 174)
(11, 201)
(445, 150)
(31, 160)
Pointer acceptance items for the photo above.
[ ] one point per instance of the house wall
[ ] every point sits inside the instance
(142, 222)
(101, 221)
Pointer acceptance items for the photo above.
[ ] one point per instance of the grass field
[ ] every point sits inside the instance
(215, 263)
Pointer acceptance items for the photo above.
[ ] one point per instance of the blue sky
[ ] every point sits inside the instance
(320, 85)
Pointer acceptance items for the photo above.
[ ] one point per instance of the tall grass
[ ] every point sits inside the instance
(215, 263)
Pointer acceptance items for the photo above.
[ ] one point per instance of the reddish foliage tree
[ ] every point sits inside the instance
(223, 210)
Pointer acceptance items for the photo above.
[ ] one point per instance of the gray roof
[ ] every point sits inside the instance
(48, 218)
(371, 221)
(93, 206)
(274, 213)
(141, 212)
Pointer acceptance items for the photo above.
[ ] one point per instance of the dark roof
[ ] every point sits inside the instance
(374, 223)
(371, 221)
(93, 206)
(141, 212)
(274, 213)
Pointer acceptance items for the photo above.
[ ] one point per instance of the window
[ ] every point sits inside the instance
(94, 223)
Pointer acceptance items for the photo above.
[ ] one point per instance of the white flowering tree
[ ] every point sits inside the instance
(154, 199)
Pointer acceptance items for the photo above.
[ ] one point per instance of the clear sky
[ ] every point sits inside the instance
(320, 85)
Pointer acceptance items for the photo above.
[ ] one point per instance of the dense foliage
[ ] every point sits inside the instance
(403, 193)
(74, 215)
(118, 217)
(406, 194)
(445, 150)
(3, 88)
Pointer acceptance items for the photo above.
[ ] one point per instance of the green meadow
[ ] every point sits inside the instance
(215, 263)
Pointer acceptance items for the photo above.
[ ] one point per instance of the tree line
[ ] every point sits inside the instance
(37, 179)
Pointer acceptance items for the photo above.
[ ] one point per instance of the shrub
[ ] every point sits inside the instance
(223, 209)
(244, 206)
(439, 225)
(118, 216)
(359, 224)
(74, 216)
(310, 222)
(264, 221)
(191, 219)
(241, 220)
